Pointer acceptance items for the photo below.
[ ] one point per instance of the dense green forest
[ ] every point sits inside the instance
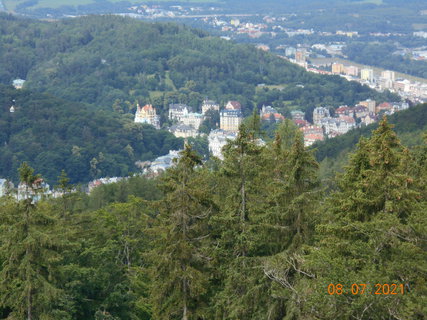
(54, 135)
(111, 62)
(251, 237)
(94, 70)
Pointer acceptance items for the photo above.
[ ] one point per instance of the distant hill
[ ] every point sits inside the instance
(109, 60)
(94, 69)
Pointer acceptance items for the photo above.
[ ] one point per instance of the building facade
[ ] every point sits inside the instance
(147, 114)
(178, 111)
(209, 105)
(367, 75)
(319, 113)
(218, 139)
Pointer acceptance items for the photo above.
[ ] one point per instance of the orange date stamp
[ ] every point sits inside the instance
(363, 288)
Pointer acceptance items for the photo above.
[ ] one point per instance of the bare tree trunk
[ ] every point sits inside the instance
(29, 308)
(243, 195)
(184, 311)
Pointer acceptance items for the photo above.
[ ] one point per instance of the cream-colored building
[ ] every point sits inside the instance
(231, 117)
(351, 71)
(367, 74)
(337, 68)
(209, 105)
(389, 75)
(230, 120)
(147, 114)
(183, 131)
(193, 120)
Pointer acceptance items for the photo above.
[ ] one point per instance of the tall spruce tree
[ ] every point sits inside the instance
(370, 235)
(288, 223)
(30, 251)
(179, 270)
(242, 201)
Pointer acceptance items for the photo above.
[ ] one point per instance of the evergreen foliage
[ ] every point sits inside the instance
(251, 237)
(179, 270)
(369, 235)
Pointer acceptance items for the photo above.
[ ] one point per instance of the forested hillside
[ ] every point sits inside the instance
(250, 237)
(54, 135)
(111, 61)
(100, 66)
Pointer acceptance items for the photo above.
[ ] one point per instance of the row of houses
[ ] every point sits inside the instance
(345, 119)
(186, 123)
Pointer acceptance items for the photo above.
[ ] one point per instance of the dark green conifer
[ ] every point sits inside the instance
(371, 235)
(30, 251)
(179, 261)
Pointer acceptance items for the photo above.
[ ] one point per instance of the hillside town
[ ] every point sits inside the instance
(327, 121)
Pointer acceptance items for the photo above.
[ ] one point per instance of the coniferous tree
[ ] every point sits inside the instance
(179, 261)
(240, 200)
(290, 217)
(371, 235)
(30, 251)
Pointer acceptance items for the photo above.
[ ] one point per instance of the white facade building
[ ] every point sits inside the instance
(218, 139)
(320, 113)
(178, 111)
(209, 105)
(183, 131)
(193, 119)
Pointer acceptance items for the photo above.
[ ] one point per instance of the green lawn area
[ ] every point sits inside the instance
(169, 82)
(11, 4)
(156, 94)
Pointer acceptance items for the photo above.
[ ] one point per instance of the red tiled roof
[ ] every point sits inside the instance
(277, 116)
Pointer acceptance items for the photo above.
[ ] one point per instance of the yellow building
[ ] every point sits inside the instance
(367, 74)
(235, 22)
(147, 114)
(337, 68)
(230, 120)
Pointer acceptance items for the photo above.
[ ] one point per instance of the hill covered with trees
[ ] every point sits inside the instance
(54, 135)
(94, 69)
(111, 62)
(251, 237)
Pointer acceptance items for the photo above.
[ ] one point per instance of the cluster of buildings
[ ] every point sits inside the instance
(164, 11)
(231, 117)
(345, 118)
(385, 80)
(186, 123)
